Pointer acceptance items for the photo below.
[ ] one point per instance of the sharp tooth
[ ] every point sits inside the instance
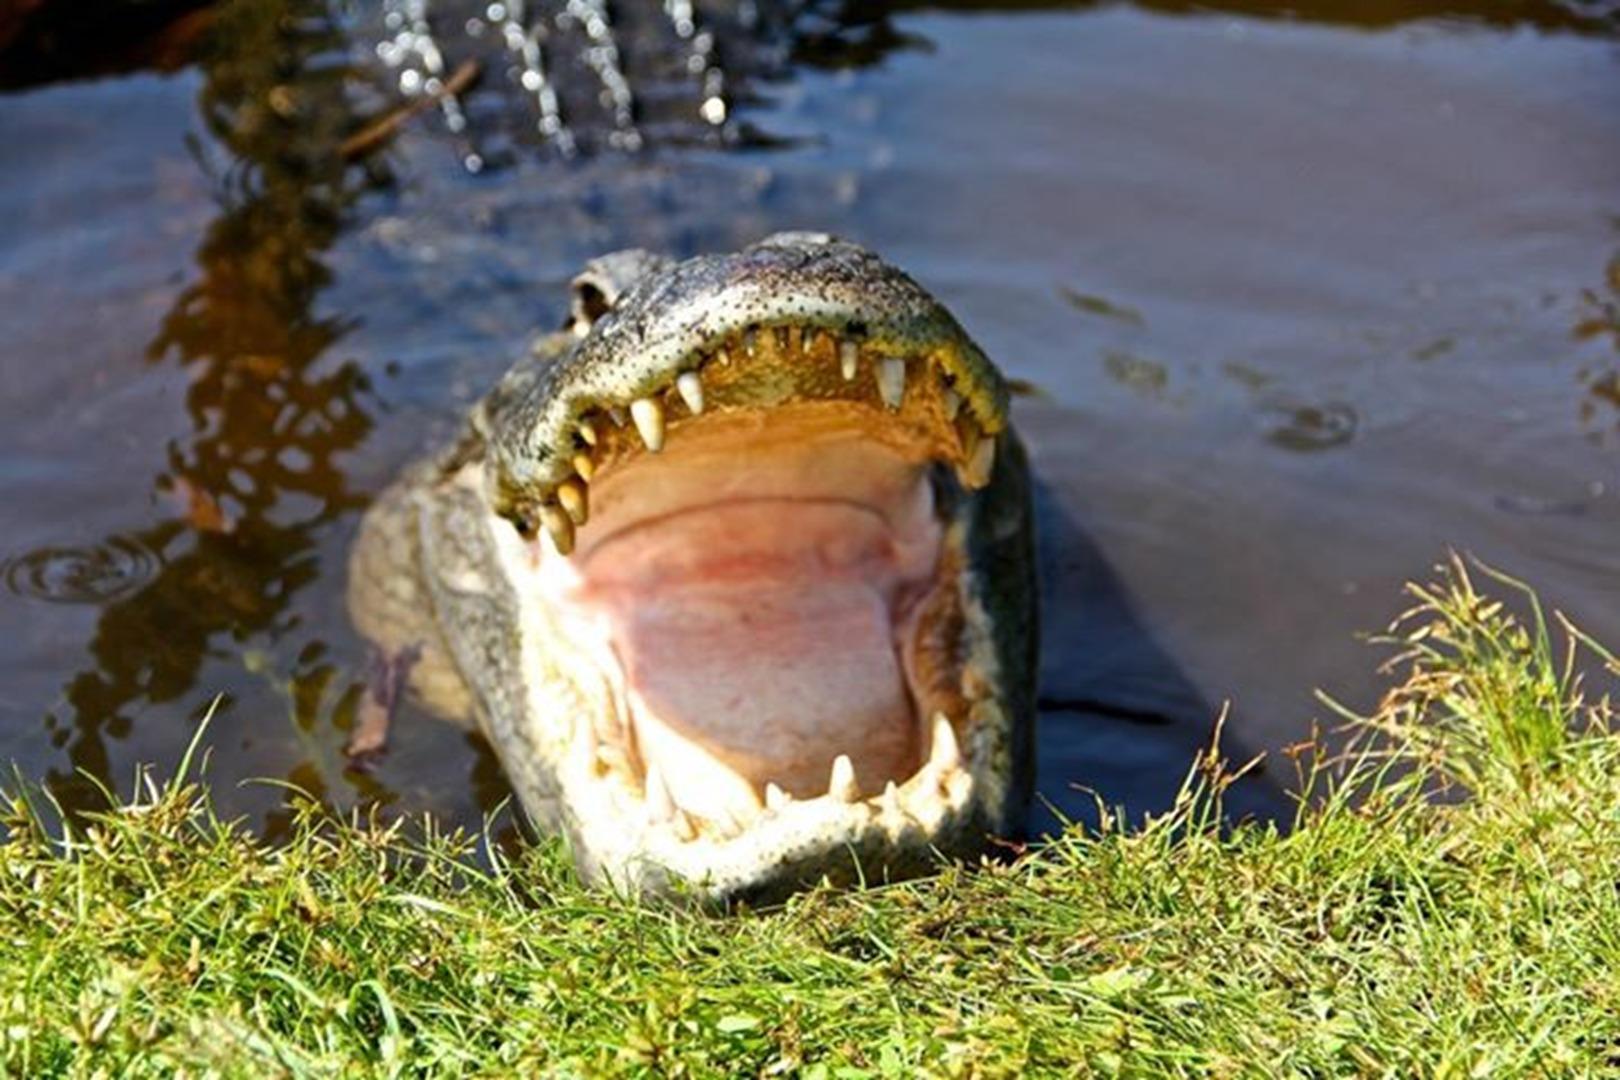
(841, 784)
(587, 431)
(690, 386)
(613, 758)
(848, 354)
(891, 800)
(891, 380)
(944, 755)
(952, 402)
(723, 355)
(559, 527)
(571, 494)
(682, 824)
(795, 339)
(660, 804)
(775, 797)
(649, 418)
(583, 748)
(980, 462)
(616, 414)
(584, 466)
(750, 341)
(784, 337)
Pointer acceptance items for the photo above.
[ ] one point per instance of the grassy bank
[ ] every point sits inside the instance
(1390, 933)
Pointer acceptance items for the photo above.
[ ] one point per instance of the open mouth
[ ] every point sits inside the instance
(752, 593)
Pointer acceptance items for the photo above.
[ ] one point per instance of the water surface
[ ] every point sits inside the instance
(1305, 301)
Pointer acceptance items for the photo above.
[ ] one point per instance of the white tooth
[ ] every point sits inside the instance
(848, 354)
(649, 418)
(944, 755)
(587, 431)
(891, 380)
(723, 355)
(616, 414)
(613, 758)
(775, 797)
(841, 784)
(750, 341)
(952, 401)
(691, 390)
(571, 494)
(891, 800)
(584, 466)
(583, 747)
(980, 462)
(660, 804)
(560, 527)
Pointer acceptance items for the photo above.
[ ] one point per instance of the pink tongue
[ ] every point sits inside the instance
(773, 678)
(759, 635)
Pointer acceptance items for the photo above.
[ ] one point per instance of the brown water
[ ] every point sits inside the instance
(1306, 301)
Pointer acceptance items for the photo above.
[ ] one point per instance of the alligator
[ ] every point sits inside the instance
(735, 572)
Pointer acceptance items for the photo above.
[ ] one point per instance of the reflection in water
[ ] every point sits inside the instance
(257, 476)
(1600, 321)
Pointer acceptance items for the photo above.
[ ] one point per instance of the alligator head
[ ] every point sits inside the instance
(763, 535)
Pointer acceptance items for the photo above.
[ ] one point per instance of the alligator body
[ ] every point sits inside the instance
(735, 573)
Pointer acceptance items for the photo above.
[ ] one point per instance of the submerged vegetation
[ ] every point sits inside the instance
(1444, 905)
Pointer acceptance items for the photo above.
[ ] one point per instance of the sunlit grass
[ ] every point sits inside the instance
(1445, 906)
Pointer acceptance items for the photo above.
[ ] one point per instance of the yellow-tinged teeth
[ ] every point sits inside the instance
(775, 797)
(649, 418)
(660, 804)
(751, 341)
(944, 754)
(685, 829)
(584, 466)
(891, 800)
(571, 494)
(952, 402)
(841, 785)
(587, 431)
(891, 380)
(560, 527)
(976, 470)
(848, 354)
(690, 386)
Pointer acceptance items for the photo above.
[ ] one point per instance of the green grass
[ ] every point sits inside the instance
(1446, 906)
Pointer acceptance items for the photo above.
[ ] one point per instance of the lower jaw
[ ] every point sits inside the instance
(947, 806)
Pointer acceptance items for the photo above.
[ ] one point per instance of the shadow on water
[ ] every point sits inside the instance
(1120, 720)
(256, 478)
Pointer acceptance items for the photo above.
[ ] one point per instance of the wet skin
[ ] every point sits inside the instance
(736, 574)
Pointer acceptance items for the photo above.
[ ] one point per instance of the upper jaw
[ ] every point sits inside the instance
(647, 356)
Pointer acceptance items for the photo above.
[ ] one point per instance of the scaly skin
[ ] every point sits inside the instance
(433, 565)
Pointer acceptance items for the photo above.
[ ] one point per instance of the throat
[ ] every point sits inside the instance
(758, 607)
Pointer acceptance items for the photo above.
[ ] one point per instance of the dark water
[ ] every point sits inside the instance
(1307, 298)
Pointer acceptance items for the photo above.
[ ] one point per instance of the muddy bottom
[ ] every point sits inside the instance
(1303, 304)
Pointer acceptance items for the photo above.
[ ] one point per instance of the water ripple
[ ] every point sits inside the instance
(93, 575)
